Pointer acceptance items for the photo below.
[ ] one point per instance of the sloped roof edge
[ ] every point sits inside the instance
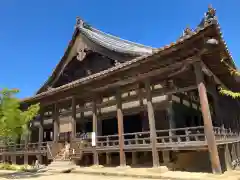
(105, 40)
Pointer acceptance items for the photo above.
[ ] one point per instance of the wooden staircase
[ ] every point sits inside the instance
(60, 163)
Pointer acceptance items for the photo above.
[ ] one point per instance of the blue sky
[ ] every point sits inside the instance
(34, 34)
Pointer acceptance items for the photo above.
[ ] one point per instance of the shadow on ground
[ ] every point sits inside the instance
(23, 175)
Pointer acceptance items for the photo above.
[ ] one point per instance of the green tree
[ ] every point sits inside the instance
(227, 92)
(13, 120)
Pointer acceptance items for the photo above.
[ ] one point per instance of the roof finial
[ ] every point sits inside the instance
(209, 17)
(187, 32)
(79, 22)
(211, 13)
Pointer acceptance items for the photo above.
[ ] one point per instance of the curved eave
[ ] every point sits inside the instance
(61, 64)
(228, 57)
(128, 64)
(121, 67)
(111, 43)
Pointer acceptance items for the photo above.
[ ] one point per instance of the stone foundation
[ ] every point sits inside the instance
(195, 161)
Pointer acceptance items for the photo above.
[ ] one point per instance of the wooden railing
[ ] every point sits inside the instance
(167, 137)
(225, 134)
(30, 147)
(53, 148)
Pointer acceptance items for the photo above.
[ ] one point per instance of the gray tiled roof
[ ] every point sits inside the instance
(114, 43)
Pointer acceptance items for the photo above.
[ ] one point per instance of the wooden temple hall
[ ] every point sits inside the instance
(121, 103)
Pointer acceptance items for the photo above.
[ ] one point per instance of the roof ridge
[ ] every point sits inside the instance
(122, 39)
(111, 41)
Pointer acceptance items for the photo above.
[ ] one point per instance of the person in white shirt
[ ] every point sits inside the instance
(67, 149)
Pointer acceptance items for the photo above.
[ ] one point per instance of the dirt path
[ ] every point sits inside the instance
(234, 175)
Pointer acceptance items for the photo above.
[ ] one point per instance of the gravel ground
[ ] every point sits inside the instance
(73, 176)
(232, 175)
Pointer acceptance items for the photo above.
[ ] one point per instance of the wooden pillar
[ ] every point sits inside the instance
(227, 158)
(82, 120)
(134, 158)
(234, 161)
(151, 119)
(25, 159)
(40, 136)
(55, 123)
(25, 156)
(13, 159)
(95, 130)
(208, 127)
(108, 158)
(4, 158)
(120, 129)
(238, 150)
(170, 115)
(144, 120)
(40, 131)
(73, 123)
(166, 157)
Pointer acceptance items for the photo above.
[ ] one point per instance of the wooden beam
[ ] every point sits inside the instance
(131, 83)
(217, 80)
(156, 92)
(140, 77)
(208, 127)
(151, 119)
(135, 97)
(120, 129)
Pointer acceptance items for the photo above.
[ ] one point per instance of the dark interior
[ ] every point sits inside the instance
(132, 123)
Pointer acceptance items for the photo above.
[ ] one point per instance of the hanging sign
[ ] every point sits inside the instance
(93, 139)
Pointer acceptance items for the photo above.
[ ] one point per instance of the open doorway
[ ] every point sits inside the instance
(132, 123)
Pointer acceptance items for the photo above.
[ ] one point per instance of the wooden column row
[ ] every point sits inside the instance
(55, 125)
(151, 118)
(208, 127)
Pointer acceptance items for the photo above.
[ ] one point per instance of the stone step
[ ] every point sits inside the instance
(61, 166)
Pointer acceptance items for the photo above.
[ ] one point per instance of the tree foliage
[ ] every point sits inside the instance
(13, 120)
(227, 92)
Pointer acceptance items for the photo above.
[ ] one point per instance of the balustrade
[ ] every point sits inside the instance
(169, 137)
(30, 147)
(165, 138)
